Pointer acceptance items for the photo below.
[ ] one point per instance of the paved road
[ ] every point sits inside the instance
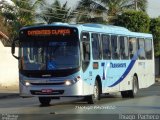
(146, 102)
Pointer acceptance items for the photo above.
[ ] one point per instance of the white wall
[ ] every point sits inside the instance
(8, 68)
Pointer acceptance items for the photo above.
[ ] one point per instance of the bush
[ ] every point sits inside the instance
(155, 30)
(136, 21)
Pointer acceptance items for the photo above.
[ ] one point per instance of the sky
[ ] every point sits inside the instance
(153, 6)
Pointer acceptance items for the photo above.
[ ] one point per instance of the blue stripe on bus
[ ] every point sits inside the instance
(128, 69)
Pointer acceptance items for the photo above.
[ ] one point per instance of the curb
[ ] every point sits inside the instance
(8, 95)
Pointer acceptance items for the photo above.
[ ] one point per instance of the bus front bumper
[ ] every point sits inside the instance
(52, 90)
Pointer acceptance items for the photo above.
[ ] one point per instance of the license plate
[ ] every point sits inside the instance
(47, 90)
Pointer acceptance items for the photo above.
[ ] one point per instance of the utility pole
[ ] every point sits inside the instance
(135, 3)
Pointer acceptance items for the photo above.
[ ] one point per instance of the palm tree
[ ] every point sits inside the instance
(56, 13)
(19, 14)
(113, 7)
(118, 6)
(140, 5)
(89, 11)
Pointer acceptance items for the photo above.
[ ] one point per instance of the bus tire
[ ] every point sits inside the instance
(45, 101)
(96, 94)
(131, 93)
(124, 94)
(135, 87)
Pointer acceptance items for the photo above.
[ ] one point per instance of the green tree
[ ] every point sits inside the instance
(19, 14)
(136, 21)
(90, 11)
(141, 5)
(116, 7)
(112, 8)
(4, 30)
(3, 27)
(155, 30)
(56, 13)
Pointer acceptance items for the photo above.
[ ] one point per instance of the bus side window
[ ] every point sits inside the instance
(148, 48)
(141, 47)
(123, 47)
(85, 47)
(106, 47)
(86, 51)
(96, 46)
(115, 49)
(132, 47)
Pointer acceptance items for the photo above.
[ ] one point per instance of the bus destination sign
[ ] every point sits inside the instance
(48, 32)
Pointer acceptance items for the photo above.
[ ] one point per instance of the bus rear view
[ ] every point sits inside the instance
(49, 60)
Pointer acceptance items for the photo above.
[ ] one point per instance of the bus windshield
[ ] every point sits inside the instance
(49, 55)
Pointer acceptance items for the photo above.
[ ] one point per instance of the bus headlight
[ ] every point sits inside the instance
(70, 82)
(27, 84)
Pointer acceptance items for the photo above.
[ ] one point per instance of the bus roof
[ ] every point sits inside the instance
(100, 28)
(111, 29)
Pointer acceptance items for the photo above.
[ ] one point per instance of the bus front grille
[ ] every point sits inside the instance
(54, 92)
(60, 83)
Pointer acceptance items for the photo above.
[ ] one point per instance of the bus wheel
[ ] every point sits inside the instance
(133, 92)
(96, 94)
(125, 94)
(45, 101)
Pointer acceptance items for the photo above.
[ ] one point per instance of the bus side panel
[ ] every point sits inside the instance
(141, 73)
(145, 76)
(126, 83)
(88, 80)
(148, 78)
(150, 73)
(115, 73)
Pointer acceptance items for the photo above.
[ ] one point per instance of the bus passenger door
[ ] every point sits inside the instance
(86, 67)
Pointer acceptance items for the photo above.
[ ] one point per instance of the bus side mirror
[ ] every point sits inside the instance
(13, 48)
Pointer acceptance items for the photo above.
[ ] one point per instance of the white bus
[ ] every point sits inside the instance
(84, 60)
